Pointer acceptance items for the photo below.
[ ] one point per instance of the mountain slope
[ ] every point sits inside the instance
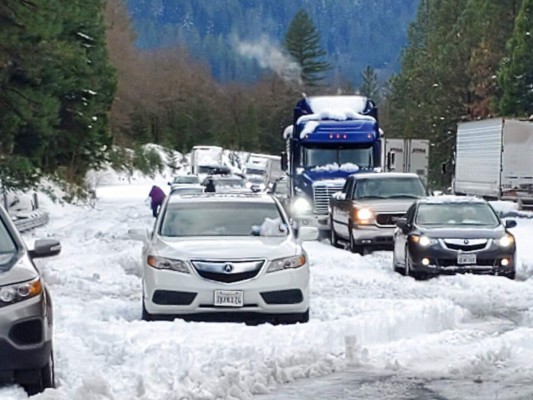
(354, 33)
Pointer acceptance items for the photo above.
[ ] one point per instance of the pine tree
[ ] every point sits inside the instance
(370, 86)
(302, 42)
(516, 76)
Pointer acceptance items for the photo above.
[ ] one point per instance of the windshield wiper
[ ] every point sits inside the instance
(407, 196)
(371, 197)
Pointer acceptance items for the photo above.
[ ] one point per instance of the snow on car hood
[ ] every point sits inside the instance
(392, 205)
(227, 247)
(464, 232)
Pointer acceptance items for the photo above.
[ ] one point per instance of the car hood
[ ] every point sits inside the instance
(227, 247)
(21, 271)
(394, 205)
(470, 232)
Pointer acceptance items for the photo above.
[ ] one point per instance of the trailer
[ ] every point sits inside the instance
(406, 155)
(493, 160)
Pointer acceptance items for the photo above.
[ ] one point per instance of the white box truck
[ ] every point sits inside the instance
(205, 156)
(493, 159)
(406, 155)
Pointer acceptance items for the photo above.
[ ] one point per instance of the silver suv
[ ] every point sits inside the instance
(26, 355)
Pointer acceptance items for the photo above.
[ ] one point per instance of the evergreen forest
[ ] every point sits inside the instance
(80, 81)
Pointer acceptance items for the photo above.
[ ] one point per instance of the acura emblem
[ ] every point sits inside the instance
(466, 241)
(228, 268)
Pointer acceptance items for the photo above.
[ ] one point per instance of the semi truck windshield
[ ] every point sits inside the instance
(313, 157)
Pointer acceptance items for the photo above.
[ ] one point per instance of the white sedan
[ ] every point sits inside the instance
(229, 257)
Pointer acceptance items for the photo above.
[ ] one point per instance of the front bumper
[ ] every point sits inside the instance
(445, 261)
(178, 294)
(373, 236)
(25, 337)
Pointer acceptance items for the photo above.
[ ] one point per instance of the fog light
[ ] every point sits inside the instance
(425, 262)
(505, 262)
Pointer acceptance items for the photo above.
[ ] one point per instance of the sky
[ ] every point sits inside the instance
(472, 336)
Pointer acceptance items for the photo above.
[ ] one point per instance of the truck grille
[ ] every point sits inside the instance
(322, 193)
(388, 219)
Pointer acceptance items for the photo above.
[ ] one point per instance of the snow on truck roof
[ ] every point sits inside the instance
(336, 108)
(384, 175)
(356, 104)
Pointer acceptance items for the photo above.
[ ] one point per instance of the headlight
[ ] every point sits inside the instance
(506, 241)
(364, 215)
(167, 263)
(286, 263)
(21, 291)
(423, 241)
(301, 206)
(248, 185)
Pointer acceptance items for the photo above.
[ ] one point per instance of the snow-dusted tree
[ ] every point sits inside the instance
(302, 42)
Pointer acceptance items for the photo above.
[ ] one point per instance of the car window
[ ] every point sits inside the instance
(222, 219)
(456, 214)
(387, 188)
(182, 191)
(186, 179)
(8, 248)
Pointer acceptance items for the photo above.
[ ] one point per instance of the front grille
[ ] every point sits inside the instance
(388, 219)
(465, 245)
(228, 271)
(227, 278)
(322, 193)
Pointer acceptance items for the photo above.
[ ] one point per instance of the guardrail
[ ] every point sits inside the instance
(24, 221)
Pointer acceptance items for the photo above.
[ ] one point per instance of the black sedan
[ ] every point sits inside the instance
(451, 234)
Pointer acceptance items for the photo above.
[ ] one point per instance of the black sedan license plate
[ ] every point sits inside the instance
(463, 259)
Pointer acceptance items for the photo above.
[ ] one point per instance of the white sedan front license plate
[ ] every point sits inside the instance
(463, 259)
(229, 298)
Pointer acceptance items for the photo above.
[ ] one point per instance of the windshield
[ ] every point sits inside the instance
(223, 219)
(253, 171)
(456, 214)
(314, 157)
(387, 188)
(186, 179)
(8, 248)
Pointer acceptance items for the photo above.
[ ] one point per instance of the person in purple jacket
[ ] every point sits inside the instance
(158, 196)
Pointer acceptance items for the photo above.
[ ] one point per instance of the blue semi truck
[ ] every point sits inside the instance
(331, 137)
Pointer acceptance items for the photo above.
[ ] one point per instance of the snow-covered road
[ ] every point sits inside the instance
(467, 329)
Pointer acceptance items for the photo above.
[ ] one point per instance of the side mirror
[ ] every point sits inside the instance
(284, 161)
(402, 224)
(308, 233)
(45, 248)
(510, 223)
(339, 196)
(138, 234)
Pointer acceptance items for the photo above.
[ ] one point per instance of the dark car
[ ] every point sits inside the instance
(451, 234)
(26, 355)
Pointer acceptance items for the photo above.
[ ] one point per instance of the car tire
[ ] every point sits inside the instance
(146, 316)
(44, 378)
(333, 238)
(354, 248)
